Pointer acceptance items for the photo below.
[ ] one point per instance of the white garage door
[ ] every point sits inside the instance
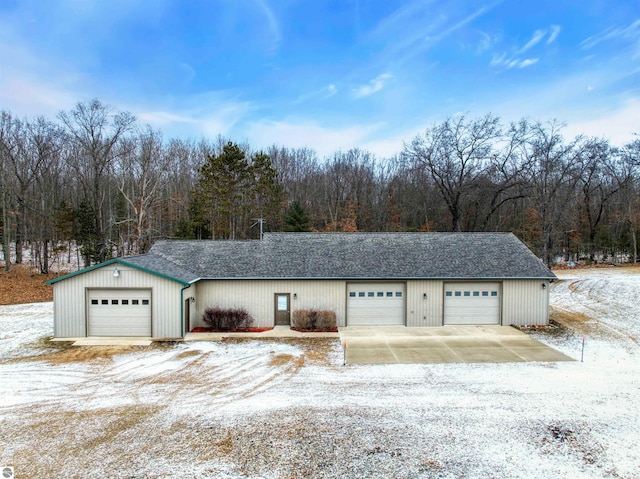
(472, 303)
(375, 304)
(119, 312)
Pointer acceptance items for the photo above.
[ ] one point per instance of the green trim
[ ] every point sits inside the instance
(119, 261)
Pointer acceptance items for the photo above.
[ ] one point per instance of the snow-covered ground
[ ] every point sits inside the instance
(258, 409)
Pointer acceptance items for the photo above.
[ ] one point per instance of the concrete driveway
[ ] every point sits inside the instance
(447, 344)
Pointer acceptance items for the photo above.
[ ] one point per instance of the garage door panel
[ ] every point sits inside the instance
(375, 304)
(472, 303)
(120, 312)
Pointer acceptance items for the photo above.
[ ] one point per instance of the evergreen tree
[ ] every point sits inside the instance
(296, 221)
(222, 191)
(267, 192)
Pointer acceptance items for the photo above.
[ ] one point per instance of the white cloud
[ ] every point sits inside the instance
(535, 39)
(629, 33)
(528, 62)
(616, 124)
(272, 23)
(323, 93)
(373, 86)
(555, 31)
(163, 118)
(330, 91)
(297, 134)
(26, 97)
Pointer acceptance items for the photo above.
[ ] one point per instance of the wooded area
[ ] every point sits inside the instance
(97, 179)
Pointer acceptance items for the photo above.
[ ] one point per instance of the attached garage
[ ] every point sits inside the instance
(472, 303)
(375, 304)
(119, 312)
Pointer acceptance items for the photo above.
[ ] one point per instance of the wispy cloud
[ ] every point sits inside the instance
(629, 33)
(273, 25)
(535, 39)
(555, 32)
(486, 42)
(330, 91)
(298, 133)
(458, 25)
(508, 62)
(528, 62)
(322, 93)
(515, 60)
(373, 86)
(419, 26)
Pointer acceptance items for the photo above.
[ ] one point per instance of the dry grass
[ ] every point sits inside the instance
(76, 354)
(569, 317)
(280, 360)
(316, 350)
(188, 354)
(23, 285)
(92, 431)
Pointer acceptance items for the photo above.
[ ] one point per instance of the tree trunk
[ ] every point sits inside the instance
(6, 233)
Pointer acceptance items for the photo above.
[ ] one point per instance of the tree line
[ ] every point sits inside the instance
(95, 178)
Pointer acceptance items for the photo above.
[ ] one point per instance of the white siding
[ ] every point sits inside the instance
(423, 311)
(525, 302)
(257, 297)
(70, 300)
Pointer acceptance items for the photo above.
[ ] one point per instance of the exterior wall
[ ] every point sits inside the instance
(525, 302)
(257, 297)
(70, 300)
(424, 312)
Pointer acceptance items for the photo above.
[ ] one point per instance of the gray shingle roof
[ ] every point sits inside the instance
(350, 256)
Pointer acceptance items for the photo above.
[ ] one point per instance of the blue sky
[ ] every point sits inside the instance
(328, 74)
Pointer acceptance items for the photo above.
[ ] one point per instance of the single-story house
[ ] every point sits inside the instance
(367, 279)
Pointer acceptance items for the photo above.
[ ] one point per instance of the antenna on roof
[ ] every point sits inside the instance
(259, 221)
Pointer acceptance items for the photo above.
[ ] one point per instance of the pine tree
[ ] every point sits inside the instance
(296, 221)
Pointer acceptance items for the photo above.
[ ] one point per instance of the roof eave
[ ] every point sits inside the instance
(118, 261)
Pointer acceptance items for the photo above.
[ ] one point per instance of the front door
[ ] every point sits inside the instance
(283, 310)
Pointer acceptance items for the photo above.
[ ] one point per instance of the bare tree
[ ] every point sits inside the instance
(6, 184)
(552, 175)
(455, 153)
(95, 131)
(141, 173)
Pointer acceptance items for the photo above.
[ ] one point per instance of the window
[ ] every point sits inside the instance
(135, 301)
(494, 293)
(124, 302)
(380, 294)
(448, 293)
(467, 293)
(361, 294)
(389, 294)
(114, 301)
(458, 293)
(370, 294)
(145, 302)
(94, 301)
(105, 301)
(352, 294)
(398, 294)
(476, 293)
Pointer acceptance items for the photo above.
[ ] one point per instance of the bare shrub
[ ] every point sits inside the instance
(227, 319)
(314, 320)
